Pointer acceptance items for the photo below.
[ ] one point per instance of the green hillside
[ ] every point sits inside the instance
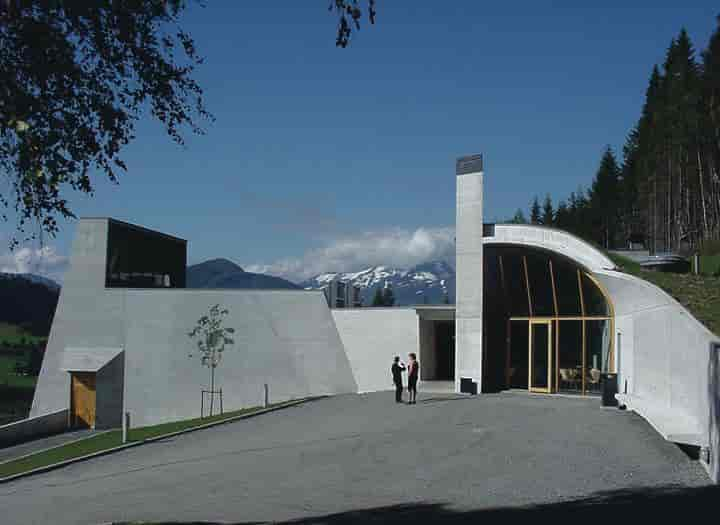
(700, 294)
(14, 334)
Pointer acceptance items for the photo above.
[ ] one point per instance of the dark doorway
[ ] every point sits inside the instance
(444, 351)
(518, 359)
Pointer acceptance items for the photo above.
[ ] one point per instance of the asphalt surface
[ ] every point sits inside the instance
(362, 458)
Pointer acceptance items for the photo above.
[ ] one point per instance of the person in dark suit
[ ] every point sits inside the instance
(413, 373)
(397, 369)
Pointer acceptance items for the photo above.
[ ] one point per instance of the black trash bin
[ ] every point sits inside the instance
(609, 389)
(468, 386)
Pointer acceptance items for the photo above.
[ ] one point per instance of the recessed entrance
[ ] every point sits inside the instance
(547, 323)
(444, 351)
(82, 399)
(437, 343)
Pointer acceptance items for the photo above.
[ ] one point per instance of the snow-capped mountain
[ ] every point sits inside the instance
(33, 278)
(425, 283)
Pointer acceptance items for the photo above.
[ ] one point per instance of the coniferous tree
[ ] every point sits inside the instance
(378, 299)
(535, 217)
(666, 193)
(630, 221)
(388, 296)
(604, 201)
(548, 214)
(518, 218)
(562, 216)
(710, 145)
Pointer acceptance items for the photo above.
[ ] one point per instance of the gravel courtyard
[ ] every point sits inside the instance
(360, 458)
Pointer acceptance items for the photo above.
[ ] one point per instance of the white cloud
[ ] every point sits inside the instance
(43, 261)
(396, 247)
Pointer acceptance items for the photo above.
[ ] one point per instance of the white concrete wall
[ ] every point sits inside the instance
(372, 337)
(624, 362)
(428, 354)
(469, 279)
(665, 358)
(85, 315)
(285, 338)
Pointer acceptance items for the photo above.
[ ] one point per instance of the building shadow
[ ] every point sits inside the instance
(627, 505)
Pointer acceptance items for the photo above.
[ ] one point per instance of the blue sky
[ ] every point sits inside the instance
(324, 159)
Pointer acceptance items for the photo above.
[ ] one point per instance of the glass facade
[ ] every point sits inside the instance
(548, 318)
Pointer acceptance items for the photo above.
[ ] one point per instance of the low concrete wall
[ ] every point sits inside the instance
(371, 337)
(34, 427)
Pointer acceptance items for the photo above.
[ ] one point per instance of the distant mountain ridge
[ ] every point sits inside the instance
(29, 301)
(221, 273)
(427, 283)
(39, 279)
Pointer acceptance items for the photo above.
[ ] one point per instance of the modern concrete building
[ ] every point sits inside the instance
(342, 294)
(537, 309)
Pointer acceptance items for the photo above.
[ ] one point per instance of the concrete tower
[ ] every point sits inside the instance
(469, 263)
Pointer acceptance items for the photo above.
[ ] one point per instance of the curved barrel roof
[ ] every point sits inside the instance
(553, 240)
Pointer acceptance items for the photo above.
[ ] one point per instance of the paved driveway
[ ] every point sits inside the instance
(363, 452)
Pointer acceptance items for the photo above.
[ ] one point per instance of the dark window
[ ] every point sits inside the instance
(518, 370)
(140, 258)
(541, 291)
(514, 277)
(598, 346)
(570, 357)
(595, 303)
(567, 288)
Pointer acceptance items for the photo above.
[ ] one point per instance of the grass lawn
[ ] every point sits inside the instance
(8, 376)
(16, 391)
(13, 334)
(700, 294)
(109, 440)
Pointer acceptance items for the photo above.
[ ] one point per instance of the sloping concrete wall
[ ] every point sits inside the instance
(284, 338)
(372, 337)
(86, 316)
(667, 351)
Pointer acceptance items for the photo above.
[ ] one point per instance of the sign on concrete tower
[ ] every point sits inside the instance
(469, 271)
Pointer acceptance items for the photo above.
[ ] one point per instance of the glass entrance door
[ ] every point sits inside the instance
(540, 356)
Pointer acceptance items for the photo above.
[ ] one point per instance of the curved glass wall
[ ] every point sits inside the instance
(543, 313)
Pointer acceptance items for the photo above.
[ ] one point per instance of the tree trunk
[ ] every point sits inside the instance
(668, 193)
(702, 195)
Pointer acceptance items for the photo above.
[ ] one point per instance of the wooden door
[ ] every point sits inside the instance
(82, 403)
